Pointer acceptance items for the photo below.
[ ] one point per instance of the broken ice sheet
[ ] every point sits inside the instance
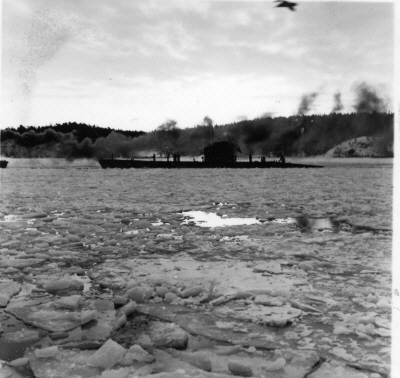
(269, 315)
(22, 335)
(323, 272)
(204, 219)
(186, 270)
(269, 267)
(47, 316)
(66, 363)
(337, 370)
(7, 290)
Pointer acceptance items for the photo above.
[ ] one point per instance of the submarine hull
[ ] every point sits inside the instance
(125, 163)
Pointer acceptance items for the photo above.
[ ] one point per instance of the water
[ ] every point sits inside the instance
(328, 232)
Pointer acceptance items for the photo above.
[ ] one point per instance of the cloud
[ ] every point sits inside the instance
(170, 38)
(186, 57)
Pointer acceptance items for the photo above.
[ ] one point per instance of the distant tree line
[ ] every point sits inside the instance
(28, 136)
(308, 135)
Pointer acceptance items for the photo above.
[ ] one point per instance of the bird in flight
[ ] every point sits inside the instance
(285, 4)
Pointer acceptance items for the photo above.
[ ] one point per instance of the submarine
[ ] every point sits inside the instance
(220, 154)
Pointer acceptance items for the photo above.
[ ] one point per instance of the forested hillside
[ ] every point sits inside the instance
(307, 135)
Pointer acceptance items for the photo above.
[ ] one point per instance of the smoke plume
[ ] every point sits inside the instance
(337, 100)
(306, 102)
(207, 121)
(267, 115)
(168, 125)
(368, 100)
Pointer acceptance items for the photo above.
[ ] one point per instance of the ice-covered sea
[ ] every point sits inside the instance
(277, 272)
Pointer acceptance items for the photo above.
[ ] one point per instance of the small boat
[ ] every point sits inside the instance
(3, 163)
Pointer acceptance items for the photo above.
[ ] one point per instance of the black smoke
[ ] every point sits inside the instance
(337, 102)
(306, 102)
(166, 137)
(368, 99)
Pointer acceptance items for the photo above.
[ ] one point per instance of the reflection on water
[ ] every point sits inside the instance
(305, 223)
(320, 224)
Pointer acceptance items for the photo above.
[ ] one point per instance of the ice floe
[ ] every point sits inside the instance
(175, 280)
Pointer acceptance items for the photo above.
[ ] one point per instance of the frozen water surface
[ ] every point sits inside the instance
(286, 272)
(204, 219)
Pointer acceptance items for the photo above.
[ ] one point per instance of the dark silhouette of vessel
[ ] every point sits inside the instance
(220, 154)
(3, 163)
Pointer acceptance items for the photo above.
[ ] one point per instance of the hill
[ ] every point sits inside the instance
(360, 147)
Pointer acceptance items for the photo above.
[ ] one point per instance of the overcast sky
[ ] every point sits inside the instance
(135, 64)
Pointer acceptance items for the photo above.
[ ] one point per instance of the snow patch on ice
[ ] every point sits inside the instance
(204, 219)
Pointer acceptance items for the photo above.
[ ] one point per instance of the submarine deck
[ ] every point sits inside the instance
(126, 163)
